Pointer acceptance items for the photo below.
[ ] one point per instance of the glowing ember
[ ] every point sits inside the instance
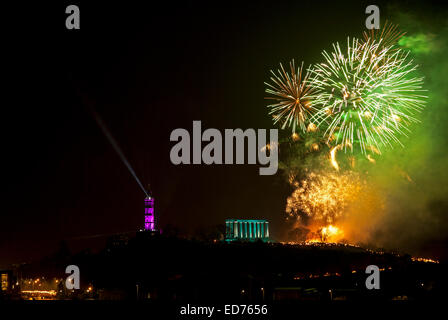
(322, 197)
(295, 137)
(330, 232)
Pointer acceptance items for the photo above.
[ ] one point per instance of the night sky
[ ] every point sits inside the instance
(146, 70)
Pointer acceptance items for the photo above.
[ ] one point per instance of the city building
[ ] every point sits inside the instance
(9, 285)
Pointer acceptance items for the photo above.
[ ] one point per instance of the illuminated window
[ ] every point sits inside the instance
(4, 281)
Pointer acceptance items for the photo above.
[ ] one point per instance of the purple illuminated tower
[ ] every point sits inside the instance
(149, 214)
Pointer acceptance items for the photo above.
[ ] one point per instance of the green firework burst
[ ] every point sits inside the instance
(366, 96)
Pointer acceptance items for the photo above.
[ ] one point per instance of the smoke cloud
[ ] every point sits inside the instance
(412, 181)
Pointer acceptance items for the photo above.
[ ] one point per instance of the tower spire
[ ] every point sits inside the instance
(149, 213)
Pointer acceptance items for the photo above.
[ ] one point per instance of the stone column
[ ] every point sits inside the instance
(235, 229)
(241, 230)
(255, 230)
(250, 230)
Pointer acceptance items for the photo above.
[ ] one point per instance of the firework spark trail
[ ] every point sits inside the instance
(323, 197)
(333, 160)
(387, 36)
(366, 95)
(293, 96)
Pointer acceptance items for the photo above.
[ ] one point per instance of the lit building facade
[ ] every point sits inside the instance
(150, 224)
(248, 230)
